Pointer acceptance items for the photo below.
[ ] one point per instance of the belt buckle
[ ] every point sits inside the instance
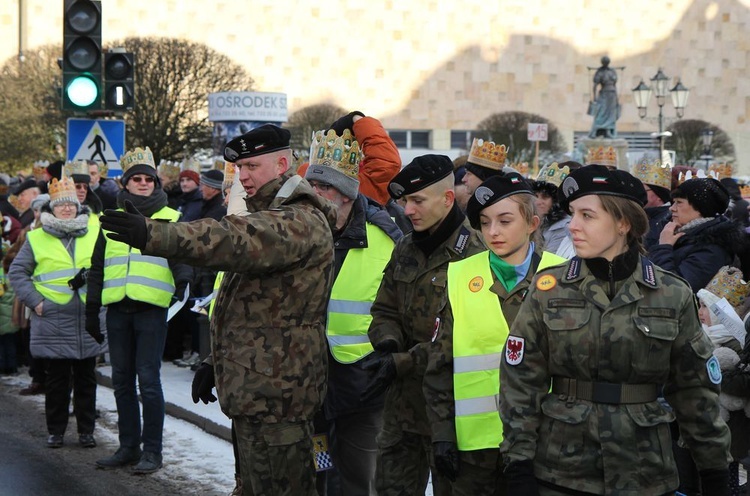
(603, 392)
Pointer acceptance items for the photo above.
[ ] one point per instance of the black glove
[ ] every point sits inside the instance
(446, 459)
(346, 122)
(128, 227)
(385, 372)
(93, 327)
(715, 481)
(387, 346)
(519, 478)
(79, 280)
(203, 383)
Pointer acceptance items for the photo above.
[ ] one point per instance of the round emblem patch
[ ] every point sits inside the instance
(546, 282)
(476, 284)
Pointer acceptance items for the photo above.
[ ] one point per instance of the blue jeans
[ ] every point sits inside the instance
(136, 345)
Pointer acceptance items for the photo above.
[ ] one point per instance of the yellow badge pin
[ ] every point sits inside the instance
(546, 282)
(476, 284)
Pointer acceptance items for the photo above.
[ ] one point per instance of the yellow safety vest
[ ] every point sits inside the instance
(352, 295)
(54, 266)
(479, 333)
(139, 277)
(217, 285)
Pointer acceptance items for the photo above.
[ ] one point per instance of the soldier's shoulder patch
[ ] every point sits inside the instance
(514, 348)
(463, 237)
(649, 275)
(546, 282)
(574, 269)
(714, 370)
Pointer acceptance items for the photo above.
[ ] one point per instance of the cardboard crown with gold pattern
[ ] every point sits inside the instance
(487, 154)
(652, 172)
(229, 172)
(78, 167)
(521, 167)
(220, 164)
(137, 156)
(728, 283)
(602, 156)
(169, 169)
(190, 164)
(719, 171)
(553, 174)
(340, 152)
(39, 169)
(62, 191)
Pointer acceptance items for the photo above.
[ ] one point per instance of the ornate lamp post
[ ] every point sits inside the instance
(642, 96)
(707, 136)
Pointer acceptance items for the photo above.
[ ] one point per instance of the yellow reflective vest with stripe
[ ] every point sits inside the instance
(479, 333)
(352, 295)
(217, 285)
(54, 265)
(140, 277)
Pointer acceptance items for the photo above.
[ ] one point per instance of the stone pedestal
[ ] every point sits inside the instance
(619, 145)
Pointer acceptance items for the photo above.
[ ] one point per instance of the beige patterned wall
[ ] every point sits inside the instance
(428, 64)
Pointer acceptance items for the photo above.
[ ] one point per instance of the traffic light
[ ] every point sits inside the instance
(82, 55)
(119, 80)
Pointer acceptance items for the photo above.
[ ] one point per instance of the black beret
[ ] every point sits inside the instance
(261, 140)
(600, 180)
(55, 169)
(492, 191)
(421, 172)
(29, 182)
(705, 194)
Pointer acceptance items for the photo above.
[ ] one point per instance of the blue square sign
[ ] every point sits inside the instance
(100, 140)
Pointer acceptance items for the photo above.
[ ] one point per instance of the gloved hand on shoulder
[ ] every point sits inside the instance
(79, 280)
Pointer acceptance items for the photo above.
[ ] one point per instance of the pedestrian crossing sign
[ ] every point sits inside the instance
(100, 140)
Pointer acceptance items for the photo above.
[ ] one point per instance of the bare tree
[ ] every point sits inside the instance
(307, 120)
(173, 80)
(687, 143)
(510, 129)
(32, 126)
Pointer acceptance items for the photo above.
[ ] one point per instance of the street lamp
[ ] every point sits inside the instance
(707, 136)
(642, 96)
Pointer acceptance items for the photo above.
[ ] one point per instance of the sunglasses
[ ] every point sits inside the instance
(140, 179)
(82, 186)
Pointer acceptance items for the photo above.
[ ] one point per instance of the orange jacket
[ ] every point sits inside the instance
(381, 160)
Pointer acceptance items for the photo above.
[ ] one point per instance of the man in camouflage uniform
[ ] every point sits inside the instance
(607, 335)
(268, 347)
(410, 296)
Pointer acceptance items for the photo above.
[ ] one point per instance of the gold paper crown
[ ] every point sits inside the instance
(487, 154)
(745, 191)
(728, 283)
(137, 156)
(39, 168)
(719, 171)
(190, 164)
(602, 156)
(651, 171)
(553, 174)
(341, 152)
(103, 169)
(13, 200)
(79, 167)
(219, 164)
(62, 190)
(229, 171)
(169, 169)
(521, 167)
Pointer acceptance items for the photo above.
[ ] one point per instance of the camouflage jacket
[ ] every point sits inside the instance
(267, 329)
(411, 295)
(438, 378)
(648, 334)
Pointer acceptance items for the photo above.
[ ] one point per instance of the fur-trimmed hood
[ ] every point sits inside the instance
(718, 231)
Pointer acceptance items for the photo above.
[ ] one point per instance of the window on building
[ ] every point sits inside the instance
(461, 139)
(399, 137)
(410, 139)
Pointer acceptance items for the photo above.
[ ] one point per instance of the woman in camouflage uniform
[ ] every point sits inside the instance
(593, 344)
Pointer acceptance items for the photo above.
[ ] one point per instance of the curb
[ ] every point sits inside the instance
(178, 412)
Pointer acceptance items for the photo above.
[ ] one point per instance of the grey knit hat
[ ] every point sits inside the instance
(213, 179)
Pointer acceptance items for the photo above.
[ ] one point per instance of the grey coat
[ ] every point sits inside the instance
(61, 330)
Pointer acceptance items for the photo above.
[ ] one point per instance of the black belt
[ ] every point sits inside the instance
(605, 392)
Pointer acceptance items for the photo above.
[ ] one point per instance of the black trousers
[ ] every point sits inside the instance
(63, 376)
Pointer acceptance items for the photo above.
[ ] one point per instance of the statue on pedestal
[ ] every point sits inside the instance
(604, 107)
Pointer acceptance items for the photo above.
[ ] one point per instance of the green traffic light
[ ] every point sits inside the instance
(82, 91)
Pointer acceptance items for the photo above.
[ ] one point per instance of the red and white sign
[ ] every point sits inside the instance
(514, 347)
(537, 132)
